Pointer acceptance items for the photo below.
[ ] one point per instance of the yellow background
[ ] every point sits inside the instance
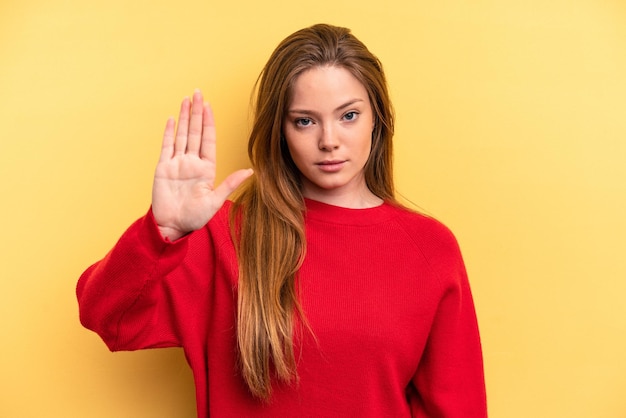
(511, 130)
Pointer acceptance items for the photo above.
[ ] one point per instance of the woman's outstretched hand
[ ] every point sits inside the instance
(184, 196)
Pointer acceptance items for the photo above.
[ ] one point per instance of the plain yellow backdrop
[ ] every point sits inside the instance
(511, 129)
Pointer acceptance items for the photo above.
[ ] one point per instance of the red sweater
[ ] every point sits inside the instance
(384, 290)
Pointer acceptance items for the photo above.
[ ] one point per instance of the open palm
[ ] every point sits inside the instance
(184, 196)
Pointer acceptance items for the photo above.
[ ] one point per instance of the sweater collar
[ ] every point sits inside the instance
(331, 214)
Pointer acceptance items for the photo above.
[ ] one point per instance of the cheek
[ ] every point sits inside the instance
(296, 150)
(367, 142)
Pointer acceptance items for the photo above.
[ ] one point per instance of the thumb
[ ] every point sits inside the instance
(231, 183)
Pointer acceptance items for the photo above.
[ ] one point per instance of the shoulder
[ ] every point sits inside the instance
(433, 239)
(424, 229)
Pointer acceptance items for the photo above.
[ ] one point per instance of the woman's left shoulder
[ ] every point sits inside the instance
(426, 231)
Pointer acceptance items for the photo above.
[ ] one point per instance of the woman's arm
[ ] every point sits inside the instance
(123, 296)
(126, 297)
(450, 378)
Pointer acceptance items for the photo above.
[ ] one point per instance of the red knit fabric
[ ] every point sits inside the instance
(384, 290)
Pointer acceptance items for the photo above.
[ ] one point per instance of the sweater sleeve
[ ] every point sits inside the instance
(126, 298)
(450, 378)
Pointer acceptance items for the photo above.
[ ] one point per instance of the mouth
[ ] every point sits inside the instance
(331, 166)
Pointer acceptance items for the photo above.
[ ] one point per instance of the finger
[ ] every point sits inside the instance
(231, 183)
(180, 144)
(167, 146)
(208, 146)
(195, 123)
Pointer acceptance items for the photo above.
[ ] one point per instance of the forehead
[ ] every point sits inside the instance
(326, 85)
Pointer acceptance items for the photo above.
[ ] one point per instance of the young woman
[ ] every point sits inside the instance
(313, 293)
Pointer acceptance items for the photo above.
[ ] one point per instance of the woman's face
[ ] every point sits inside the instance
(328, 128)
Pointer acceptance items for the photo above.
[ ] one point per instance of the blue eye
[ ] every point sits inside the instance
(303, 122)
(350, 116)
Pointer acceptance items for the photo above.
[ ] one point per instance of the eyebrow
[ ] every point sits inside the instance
(311, 112)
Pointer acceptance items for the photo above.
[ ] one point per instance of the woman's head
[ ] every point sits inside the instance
(318, 46)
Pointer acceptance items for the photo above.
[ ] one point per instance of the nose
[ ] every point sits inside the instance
(328, 140)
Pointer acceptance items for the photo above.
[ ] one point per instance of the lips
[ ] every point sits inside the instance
(331, 166)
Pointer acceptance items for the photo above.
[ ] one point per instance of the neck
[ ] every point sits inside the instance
(363, 200)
